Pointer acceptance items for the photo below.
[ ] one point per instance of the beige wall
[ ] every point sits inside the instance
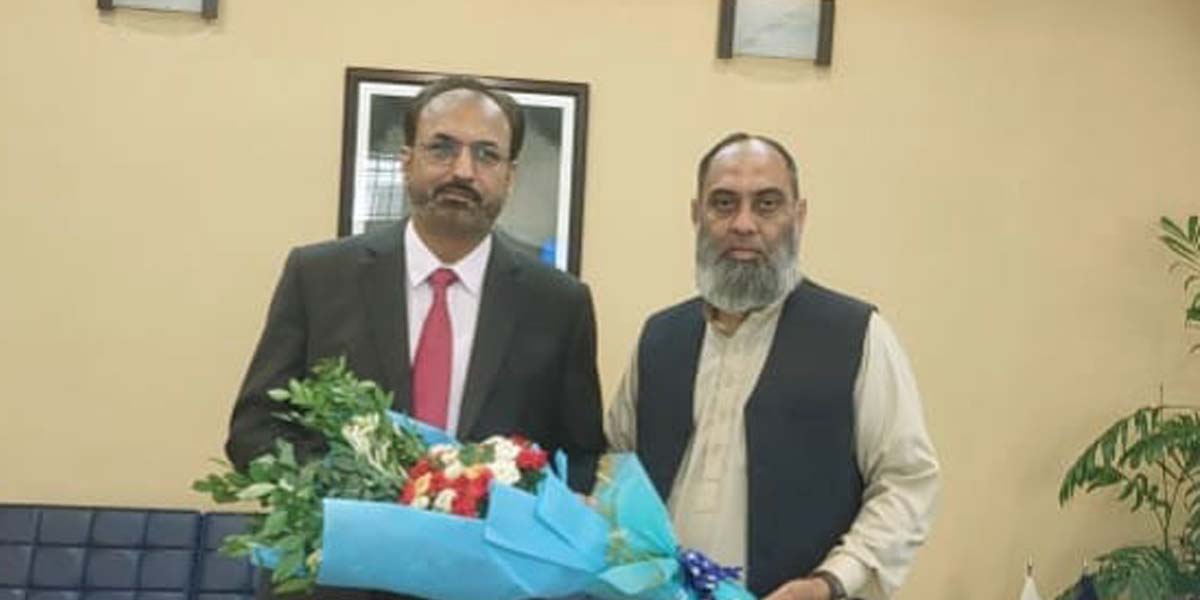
(988, 172)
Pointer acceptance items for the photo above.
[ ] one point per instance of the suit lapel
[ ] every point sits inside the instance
(385, 287)
(493, 330)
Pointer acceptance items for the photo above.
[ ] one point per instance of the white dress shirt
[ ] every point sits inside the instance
(462, 298)
(708, 501)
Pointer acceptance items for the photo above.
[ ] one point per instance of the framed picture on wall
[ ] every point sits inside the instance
(206, 8)
(801, 29)
(544, 213)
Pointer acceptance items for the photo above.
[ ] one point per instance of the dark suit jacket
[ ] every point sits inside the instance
(533, 363)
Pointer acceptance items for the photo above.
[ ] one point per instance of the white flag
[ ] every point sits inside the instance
(1030, 590)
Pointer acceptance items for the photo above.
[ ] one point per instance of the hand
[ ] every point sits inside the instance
(813, 588)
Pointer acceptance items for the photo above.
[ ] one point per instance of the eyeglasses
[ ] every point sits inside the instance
(445, 150)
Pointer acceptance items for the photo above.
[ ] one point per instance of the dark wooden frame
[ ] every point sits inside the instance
(728, 11)
(355, 77)
(208, 8)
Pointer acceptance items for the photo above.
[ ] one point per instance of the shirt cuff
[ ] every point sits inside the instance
(849, 570)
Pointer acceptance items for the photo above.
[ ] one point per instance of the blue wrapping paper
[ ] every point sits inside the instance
(644, 553)
(545, 545)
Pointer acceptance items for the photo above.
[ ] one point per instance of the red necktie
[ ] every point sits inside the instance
(435, 350)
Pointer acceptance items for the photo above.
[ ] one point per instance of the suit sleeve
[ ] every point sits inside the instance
(279, 357)
(582, 412)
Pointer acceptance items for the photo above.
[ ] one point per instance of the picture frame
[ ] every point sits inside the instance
(544, 213)
(797, 29)
(205, 8)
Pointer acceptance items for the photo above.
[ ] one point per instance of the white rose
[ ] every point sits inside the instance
(505, 450)
(453, 471)
(445, 500)
(445, 453)
(505, 472)
(420, 502)
(495, 439)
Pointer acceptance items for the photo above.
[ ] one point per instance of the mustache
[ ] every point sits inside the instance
(460, 189)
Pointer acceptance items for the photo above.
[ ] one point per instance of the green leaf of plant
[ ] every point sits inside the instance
(1179, 248)
(1173, 230)
(287, 455)
(275, 523)
(293, 586)
(290, 564)
(256, 491)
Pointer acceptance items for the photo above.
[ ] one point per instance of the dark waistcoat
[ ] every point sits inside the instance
(805, 488)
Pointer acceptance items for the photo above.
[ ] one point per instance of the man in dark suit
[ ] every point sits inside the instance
(467, 332)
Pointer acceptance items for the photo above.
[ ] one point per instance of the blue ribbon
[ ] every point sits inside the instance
(702, 575)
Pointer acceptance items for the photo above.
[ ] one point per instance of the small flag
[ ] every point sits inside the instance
(1029, 592)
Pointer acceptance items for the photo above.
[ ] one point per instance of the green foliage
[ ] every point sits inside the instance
(476, 454)
(1151, 459)
(1184, 242)
(364, 449)
(1142, 572)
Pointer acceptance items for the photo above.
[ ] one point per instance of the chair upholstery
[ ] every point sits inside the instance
(220, 577)
(94, 553)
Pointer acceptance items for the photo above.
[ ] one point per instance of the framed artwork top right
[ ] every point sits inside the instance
(799, 29)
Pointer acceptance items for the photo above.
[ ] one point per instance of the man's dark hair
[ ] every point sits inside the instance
(512, 110)
(740, 136)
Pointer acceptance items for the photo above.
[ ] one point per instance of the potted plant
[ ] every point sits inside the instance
(1152, 457)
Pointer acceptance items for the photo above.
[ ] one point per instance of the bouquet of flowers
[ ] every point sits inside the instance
(398, 506)
(455, 479)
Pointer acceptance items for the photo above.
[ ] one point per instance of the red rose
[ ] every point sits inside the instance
(531, 459)
(465, 505)
(437, 482)
(422, 467)
(479, 485)
(408, 493)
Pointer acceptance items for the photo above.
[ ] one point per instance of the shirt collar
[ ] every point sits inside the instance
(420, 262)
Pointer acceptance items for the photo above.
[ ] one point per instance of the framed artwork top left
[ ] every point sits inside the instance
(206, 8)
(543, 215)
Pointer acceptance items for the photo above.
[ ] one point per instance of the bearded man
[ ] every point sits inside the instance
(779, 418)
(468, 333)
